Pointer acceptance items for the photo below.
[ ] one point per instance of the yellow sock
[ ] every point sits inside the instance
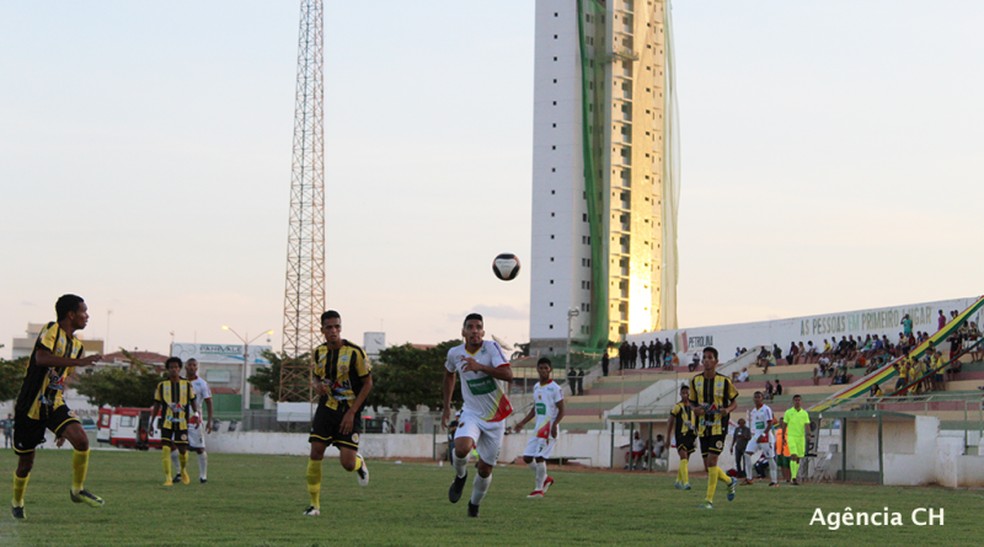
(80, 467)
(183, 461)
(166, 460)
(358, 463)
(712, 482)
(794, 468)
(20, 486)
(683, 474)
(314, 482)
(722, 476)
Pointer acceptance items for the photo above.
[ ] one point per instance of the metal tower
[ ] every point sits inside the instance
(304, 297)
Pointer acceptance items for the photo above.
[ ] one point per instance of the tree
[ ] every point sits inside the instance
(132, 386)
(267, 379)
(11, 377)
(408, 376)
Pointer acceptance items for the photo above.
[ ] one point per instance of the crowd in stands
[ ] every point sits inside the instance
(655, 354)
(834, 358)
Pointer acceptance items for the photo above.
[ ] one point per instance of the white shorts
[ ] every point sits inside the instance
(538, 447)
(766, 448)
(196, 436)
(487, 435)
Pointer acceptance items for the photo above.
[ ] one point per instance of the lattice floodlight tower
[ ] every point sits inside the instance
(304, 296)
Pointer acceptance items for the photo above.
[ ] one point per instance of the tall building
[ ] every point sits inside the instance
(605, 172)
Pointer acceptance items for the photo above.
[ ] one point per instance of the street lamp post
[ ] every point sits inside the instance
(571, 314)
(246, 340)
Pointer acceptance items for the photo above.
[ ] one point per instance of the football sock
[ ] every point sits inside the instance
(183, 459)
(459, 464)
(541, 474)
(80, 467)
(749, 470)
(314, 482)
(203, 465)
(479, 488)
(683, 473)
(723, 476)
(358, 463)
(20, 486)
(712, 482)
(773, 470)
(794, 468)
(166, 461)
(175, 464)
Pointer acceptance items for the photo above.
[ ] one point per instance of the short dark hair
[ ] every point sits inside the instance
(684, 387)
(712, 350)
(330, 314)
(66, 304)
(758, 393)
(167, 364)
(797, 396)
(471, 317)
(545, 361)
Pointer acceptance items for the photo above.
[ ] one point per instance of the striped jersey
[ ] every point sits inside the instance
(42, 389)
(343, 371)
(176, 399)
(483, 395)
(720, 392)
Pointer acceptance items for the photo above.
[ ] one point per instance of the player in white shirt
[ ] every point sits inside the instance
(548, 407)
(760, 420)
(196, 433)
(481, 365)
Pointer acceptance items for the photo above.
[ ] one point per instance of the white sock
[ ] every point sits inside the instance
(459, 464)
(541, 474)
(773, 470)
(479, 488)
(203, 465)
(175, 465)
(749, 470)
(533, 467)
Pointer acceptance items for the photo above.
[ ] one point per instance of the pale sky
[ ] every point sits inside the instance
(830, 161)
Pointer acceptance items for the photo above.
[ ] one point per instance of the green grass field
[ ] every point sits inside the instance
(258, 500)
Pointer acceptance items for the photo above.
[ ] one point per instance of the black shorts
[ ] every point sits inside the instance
(324, 428)
(687, 442)
(175, 435)
(29, 433)
(712, 444)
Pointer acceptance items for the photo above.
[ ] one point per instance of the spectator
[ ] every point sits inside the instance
(604, 362)
(776, 353)
(580, 381)
(643, 358)
(743, 376)
(906, 325)
(654, 354)
(940, 321)
(667, 350)
(974, 342)
(658, 447)
(694, 363)
(778, 388)
(769, 390)
(817, 372)
(739, 440)
(637, 451)
(8, 430)
(572, 379)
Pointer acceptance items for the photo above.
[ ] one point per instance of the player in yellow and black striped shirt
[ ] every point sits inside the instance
(173, 398)
(682, 432)
(343, 379)
(40, 404)
(713, 398)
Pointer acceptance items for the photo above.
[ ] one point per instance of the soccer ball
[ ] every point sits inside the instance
(506, 266)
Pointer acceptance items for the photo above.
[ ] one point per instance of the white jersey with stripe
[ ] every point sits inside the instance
(758, 421)
(545, 399)
(483, 395)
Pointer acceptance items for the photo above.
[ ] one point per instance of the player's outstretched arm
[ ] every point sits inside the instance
(45, 358)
